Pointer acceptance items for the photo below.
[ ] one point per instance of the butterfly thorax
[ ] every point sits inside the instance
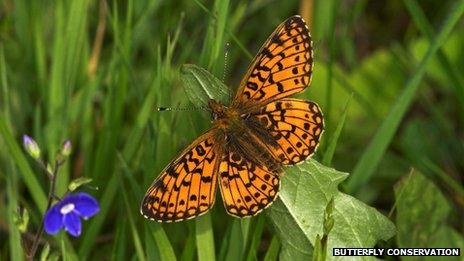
(223, 116)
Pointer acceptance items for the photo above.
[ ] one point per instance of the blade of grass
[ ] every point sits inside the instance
(135, 234)
(256, 238)
(67, 55)
(371, 157)
(39, 43)
(67, 251)
(33, 185)
(331, 41)
(214, 40)
(14, 237)
(135, 188)
(272, 252)
(108, 138)
(237, 241)
(204, 238)
(120, 242)
(426, 29)
(188, 253)
(327, 160)
(26, 172)
(222, 254)
(111, 187)
(444, 177)
(357, 96)
(166, 252)
(228, 31)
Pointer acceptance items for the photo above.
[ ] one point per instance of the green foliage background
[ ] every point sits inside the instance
(388, 76)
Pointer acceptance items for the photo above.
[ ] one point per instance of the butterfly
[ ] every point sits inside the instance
(251, 140)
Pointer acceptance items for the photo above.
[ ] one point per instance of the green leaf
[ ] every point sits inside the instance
(306, 190)
(201, 86)
(78, 182)
(421, 213)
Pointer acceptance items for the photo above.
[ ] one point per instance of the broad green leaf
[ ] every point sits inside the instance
(306, 190)
(421, 215)
(201, 86)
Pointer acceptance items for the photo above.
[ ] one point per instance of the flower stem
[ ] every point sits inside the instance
(51, 196)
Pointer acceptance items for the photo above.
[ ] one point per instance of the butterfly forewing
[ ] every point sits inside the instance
(295, 124)
(187, 187)
(282, 67)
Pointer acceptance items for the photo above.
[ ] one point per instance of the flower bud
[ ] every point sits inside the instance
(31, 147)
(49, 169)
(66, 148)
(21, 220)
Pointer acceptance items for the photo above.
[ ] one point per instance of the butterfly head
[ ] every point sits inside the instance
(218, 111)
(220, 114)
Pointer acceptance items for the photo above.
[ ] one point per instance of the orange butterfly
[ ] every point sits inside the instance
(250, 141)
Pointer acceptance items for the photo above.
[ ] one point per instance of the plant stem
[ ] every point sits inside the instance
(51, 196)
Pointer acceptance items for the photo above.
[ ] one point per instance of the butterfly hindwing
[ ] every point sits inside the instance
(187, 187)
(246, 187)
(295, 124)
(282, 67)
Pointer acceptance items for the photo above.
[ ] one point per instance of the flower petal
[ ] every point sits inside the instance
(53, 221)
(72, 224)
(86, 205)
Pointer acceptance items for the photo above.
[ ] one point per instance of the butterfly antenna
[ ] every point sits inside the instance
(182, 109)
(226, 61)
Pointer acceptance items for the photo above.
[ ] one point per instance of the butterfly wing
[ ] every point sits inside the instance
(295, 124)
(186, 188)
(282, 67)
(246, 187)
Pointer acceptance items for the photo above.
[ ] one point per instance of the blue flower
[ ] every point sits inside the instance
(68, 213)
